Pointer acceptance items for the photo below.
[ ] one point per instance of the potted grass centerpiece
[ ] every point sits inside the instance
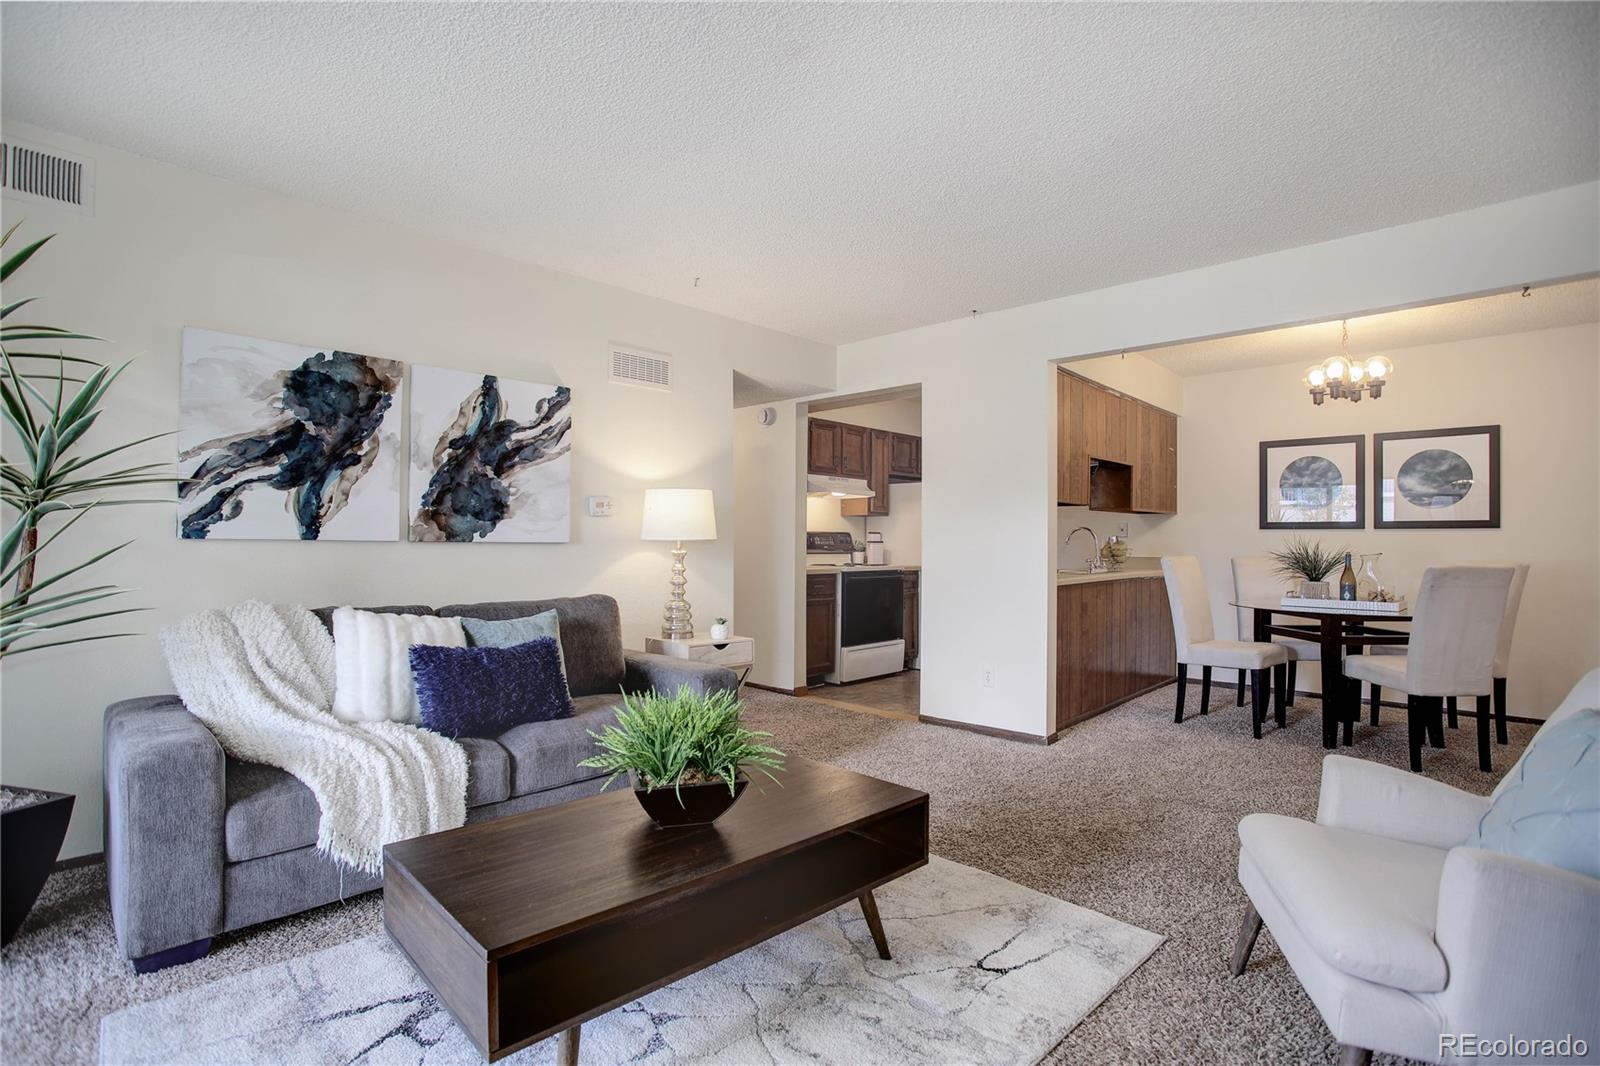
(684, 753)
(1310, 563)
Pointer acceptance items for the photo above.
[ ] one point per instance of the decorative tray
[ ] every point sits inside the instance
(1363, 606)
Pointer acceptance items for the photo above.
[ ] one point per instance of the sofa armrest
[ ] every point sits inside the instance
(666, 674)
(1369, 797)
(165, 799)
(1518, 937)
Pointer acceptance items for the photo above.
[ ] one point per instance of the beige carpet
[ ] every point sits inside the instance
(1129, 815)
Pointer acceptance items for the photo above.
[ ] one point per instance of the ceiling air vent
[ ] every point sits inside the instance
(32, 173)
(636, 366)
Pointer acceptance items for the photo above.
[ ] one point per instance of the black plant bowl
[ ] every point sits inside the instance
(702, 804)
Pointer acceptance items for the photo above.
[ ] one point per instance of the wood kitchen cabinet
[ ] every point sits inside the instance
(1114, 453)
(1113, 642)
(822, 598)
(912, 620)
(905, 457)
(836, 449)
(878, 451)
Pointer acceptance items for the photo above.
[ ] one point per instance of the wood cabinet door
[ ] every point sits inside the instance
(823, 447)
(877, 478)
(905, 456)
(1155, 467)
(1072, 442)
(821, 599)
(912, 616)
(853, 458)
(1167, 463)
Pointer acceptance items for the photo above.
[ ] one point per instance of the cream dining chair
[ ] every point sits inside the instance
(1256, 578)
(1194, 635)
(1502, 654)
(1459, 614)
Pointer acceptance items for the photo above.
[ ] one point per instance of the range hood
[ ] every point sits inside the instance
(840, 488)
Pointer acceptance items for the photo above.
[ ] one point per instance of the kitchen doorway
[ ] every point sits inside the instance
(863, 551)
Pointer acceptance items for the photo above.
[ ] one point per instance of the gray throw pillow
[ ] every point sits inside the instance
(485, 633)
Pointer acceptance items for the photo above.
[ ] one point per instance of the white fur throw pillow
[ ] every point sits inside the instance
(372, 662)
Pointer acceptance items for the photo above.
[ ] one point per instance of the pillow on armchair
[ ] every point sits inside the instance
(482, 692)
(1549, 810)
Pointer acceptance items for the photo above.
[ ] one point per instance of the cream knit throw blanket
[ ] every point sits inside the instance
(260, 676)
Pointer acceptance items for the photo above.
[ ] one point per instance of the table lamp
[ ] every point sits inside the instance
(678, 515)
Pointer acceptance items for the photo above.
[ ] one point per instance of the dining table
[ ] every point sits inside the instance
(1336, 629)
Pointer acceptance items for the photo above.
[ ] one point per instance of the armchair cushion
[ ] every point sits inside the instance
(545, 755)
(1369, 797)
(1550, 811)
(1366, 905)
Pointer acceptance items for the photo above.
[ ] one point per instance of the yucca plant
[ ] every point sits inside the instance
(687, 738)
(50, 420)
(1307, 559)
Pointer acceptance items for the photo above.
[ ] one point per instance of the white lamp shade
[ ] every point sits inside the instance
(679, 514)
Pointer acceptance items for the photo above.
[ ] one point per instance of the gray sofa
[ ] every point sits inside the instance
(198, 843)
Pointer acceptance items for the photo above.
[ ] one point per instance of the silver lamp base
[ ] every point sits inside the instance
(677, 621)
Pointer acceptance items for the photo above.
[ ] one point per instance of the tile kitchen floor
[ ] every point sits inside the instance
(895, 696)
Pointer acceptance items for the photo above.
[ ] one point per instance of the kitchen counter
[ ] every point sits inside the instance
(1136, 566)
(861, 566)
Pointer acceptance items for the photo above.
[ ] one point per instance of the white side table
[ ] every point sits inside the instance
(736, 653)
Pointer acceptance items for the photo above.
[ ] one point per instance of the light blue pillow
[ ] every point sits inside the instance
(485, 633)
(1550, 811)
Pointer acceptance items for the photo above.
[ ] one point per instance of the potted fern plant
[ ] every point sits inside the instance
(685, 754)
(50, 400)
(1308, 561)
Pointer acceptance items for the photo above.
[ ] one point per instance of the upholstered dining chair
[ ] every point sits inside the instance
(1502, 654)
(1195, 637)
(1459, 614)
(1256, 578)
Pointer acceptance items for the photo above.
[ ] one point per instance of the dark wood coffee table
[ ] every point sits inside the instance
(529, 925)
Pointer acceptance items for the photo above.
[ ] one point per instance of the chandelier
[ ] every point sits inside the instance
(1344, 378)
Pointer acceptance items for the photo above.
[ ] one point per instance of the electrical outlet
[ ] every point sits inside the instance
(988, 677)
(1122, 530)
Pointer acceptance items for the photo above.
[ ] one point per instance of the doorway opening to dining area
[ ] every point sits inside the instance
(1383, 522)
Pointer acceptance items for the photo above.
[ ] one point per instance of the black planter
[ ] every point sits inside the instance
(30, 840)
(701, 805)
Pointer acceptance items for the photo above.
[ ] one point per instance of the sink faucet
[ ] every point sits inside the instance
(1096, 564)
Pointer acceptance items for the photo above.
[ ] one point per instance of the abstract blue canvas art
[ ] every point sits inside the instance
(287, 442)
(491, 458)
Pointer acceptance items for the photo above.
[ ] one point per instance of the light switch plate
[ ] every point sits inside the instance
(598, 506)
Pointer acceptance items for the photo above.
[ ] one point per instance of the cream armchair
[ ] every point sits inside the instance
(1404, 938)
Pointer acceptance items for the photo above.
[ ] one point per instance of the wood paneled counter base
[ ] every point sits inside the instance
(530, 925)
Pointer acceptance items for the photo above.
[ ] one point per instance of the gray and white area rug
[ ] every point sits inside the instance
(984, 971)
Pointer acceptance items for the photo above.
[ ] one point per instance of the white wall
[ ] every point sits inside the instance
(1540, 388)
(167, 248)
(769, 551)
(988, 410)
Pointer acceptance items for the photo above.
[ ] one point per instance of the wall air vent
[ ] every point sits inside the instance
(645, 369)
(31, 173)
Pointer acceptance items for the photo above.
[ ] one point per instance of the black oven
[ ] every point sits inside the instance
(871, 607)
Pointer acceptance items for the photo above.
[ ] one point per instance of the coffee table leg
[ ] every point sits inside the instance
(567, 1046)
(869, 907)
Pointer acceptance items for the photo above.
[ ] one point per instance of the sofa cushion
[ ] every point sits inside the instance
(325, 614)
(546, 754)
(271, 811)
(372, 671)
(1550, 810)
(1366, 904)
(591, 636)
(482, 692)
(491, 633)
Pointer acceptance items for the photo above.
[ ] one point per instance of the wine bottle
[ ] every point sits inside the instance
(1347, 580)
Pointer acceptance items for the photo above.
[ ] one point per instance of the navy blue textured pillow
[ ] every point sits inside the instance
(482, 692)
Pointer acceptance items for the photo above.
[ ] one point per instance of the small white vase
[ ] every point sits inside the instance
(719, 632)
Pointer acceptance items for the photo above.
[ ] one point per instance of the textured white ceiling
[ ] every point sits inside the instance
(1545, 307)
(840, 171)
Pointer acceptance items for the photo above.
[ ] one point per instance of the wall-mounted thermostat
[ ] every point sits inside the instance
(598, 506)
